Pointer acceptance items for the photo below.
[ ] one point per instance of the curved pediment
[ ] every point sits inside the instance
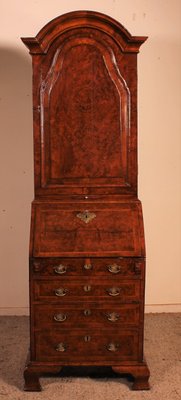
(51, 31)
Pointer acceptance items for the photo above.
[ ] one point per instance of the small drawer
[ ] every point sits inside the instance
(86, 346)
(56, 291)
(128, 268)
(86, 316)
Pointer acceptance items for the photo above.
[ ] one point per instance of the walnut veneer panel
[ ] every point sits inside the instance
(115, 229)
(79, 146)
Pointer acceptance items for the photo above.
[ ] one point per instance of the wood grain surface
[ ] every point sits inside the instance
(87, 248)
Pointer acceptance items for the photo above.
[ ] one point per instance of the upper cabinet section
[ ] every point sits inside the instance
(85, 106)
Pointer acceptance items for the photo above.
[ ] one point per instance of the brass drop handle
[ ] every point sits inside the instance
(113, 291)
(61, 347)
(61, 292)
(112, 347)
(60, 269)
(114, 268)
(87, 288)
(60, 317)
(113, 317)
(87, 266)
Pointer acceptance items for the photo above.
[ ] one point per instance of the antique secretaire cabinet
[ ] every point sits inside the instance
(87, 252)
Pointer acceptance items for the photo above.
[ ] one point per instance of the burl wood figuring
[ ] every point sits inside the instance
(87, 251)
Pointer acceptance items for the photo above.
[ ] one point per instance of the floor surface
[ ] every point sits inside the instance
(162, 351)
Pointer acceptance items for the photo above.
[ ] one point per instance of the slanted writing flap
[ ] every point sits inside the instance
(87, 229)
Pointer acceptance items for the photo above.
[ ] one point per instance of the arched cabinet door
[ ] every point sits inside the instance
(84, 97)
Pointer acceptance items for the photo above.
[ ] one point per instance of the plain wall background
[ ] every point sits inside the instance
(159, 107)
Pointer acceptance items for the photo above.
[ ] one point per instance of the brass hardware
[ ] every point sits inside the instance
(60, 269)
(87, 288)
(87, 266)
(87, 312)
(112, 347)
(36, 267)
(87, 338)
(137, 269)
(86, 216)
(61, 292)
(114, 268)
(113, 317)
(61, 347)
(114, 291)
(60, 317)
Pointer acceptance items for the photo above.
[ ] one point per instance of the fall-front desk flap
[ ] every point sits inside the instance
(61, 229)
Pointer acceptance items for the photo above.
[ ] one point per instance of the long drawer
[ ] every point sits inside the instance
(86, 346)
(86, 315)
(128, 268)
(80, 289)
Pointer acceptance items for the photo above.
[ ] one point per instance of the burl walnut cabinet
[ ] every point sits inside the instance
(87, 251)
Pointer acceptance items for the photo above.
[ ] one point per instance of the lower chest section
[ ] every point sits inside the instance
(87, 310)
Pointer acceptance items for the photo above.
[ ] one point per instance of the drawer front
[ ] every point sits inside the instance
(86, 346)
(86, 316)
(59, 267)
(61, 292)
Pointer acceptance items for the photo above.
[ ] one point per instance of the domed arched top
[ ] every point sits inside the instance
(80, 19)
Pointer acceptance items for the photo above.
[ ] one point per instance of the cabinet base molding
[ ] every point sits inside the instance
(33, 371)
(140, 373)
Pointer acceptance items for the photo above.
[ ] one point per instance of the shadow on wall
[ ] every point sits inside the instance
(16, 142)
(16, 151)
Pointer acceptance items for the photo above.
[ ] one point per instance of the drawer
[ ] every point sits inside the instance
(86, 316)
(75, 346)
(68, 290)
(126, 268)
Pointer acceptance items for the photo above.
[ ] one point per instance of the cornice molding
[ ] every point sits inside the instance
(85, 19)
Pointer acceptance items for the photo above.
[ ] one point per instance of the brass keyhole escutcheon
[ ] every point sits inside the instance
(87, 338)
(87, 312)
(86, 216)
(87, 288)
(87, 266)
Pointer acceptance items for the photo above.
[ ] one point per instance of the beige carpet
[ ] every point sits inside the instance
(162, 350)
